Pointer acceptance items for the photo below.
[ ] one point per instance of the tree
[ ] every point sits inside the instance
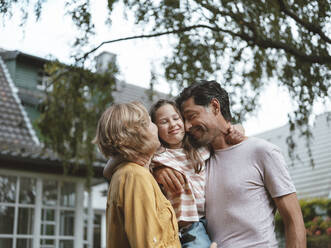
(75, 95)
(243, 44)
(75, 99)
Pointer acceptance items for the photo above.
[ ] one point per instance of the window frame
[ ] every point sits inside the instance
(36, 236)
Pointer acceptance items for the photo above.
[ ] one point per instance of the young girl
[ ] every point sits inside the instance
(137, 214)
(178, 153)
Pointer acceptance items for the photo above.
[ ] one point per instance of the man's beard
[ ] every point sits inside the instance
(202, 141)
(195, 143)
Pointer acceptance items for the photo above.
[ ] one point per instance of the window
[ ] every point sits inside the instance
(43, 80)
(97, 231)
(24, 211)
(58, 214)
(7, 219)
(17, 203)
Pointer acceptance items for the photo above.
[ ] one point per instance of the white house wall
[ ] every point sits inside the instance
(310, 182)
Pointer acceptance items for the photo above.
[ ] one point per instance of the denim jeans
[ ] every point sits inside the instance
(195, 236)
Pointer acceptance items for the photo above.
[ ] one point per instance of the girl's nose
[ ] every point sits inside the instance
(172, 123)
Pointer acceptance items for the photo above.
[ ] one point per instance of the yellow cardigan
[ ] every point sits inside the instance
(138, 214)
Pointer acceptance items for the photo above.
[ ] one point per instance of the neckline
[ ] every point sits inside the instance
(233, 146)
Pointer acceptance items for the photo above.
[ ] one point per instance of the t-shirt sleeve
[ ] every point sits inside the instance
(276, 176)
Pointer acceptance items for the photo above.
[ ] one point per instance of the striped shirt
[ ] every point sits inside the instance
(189, 205)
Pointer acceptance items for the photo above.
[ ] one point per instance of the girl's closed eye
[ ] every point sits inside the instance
(171, 127)
(163, 121)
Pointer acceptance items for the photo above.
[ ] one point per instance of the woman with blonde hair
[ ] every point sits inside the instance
(137, 214)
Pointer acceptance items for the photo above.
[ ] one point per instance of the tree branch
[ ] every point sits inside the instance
(309, 26)
(181, 30)
(268, 43)
(255, 40)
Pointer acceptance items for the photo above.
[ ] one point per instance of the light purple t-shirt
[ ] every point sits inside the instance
(241, 182)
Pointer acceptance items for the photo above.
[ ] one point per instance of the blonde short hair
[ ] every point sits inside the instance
(124, 129)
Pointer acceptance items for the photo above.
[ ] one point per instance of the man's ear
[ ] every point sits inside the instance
(215, 106)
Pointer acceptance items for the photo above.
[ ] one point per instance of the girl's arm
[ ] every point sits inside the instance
(236, 134)
(112, 163)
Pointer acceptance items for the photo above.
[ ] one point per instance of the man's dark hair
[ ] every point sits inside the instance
(203, 92)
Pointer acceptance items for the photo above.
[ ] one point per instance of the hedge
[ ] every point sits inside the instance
(317, 217)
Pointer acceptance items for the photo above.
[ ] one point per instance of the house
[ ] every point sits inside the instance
(40, 207)
(312, 180)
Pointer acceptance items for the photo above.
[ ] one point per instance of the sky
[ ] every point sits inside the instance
(54, 33)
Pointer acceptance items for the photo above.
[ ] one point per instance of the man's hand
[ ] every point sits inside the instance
(171, 179)
(236, 134)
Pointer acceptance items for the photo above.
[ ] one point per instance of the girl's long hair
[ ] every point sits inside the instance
(191, 152)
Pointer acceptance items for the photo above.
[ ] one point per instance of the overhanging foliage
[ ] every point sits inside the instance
(243, 44)
(75, 99)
